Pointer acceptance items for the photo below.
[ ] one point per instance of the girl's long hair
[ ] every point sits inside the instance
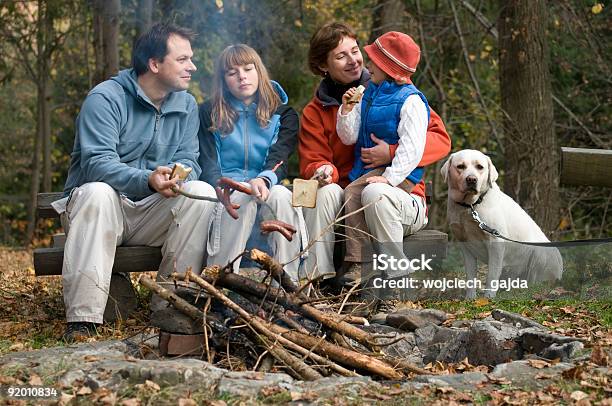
(223, 115)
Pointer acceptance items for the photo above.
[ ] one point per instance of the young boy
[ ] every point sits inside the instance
(394, 110)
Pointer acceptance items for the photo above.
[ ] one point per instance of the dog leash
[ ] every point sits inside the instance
(573, 243)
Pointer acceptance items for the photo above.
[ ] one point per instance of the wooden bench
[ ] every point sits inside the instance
(48, 261)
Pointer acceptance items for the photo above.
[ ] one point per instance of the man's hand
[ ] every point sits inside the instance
(259, 188)
(377, 179)
(376, 156)
(324, 175)
(159, 180)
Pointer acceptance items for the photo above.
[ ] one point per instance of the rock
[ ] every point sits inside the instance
(412, 319)
(173, 321)
(564, 352)
(465, 381)
(405, 348)
(515, 319)
(378, 318)
(249, 384)
(432, 341)
(492, 343)
(535, 341)
(523, 375)
(462, 323)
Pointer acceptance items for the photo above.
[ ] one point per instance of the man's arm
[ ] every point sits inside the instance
(98, 127)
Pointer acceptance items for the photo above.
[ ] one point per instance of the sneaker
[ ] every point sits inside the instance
(79, 330)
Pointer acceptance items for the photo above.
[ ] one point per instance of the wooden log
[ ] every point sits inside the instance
(259, 324)
(276, 270)
(586, 167)
(332, 321)
(342, 355)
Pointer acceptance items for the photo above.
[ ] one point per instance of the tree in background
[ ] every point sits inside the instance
(106, 36)
(531, 153)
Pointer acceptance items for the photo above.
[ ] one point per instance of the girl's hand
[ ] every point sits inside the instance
(377, 179)
(347, 100)
(259, 188)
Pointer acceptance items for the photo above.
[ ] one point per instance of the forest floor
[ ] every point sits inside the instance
(32, 317)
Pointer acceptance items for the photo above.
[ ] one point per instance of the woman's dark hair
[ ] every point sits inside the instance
(324, 40)
(154, 44)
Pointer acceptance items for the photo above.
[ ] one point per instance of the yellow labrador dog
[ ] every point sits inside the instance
(471, 180)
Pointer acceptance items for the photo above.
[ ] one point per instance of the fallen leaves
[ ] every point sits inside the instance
(599, 356)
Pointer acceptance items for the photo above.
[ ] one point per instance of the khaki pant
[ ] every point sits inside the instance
(98, 219)
(320, 260)
(229, 237)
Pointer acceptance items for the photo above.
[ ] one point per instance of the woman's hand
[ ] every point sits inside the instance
(259, 188)
(324, 175)
(348, 101)
(376, 156)
(377, 179)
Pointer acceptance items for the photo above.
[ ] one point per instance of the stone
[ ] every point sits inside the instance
(412, 319)
(405, 348)
(523, 375)
(249, 384)
(535, 341)
(515, 319)
(563, 352)
(465, 381)
(378, 318)
(174, 321)
(492, 343)
(432, 341)
(181, 344)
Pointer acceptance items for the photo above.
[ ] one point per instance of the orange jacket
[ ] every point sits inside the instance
(320, 145)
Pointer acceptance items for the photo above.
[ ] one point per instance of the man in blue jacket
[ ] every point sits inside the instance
(131, 130)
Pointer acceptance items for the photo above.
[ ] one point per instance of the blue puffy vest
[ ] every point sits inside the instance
(380, 115)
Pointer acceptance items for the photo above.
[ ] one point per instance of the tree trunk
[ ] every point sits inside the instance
(35, 179)
(388, 15)
(106, 36)
(110, 37)
(45, 35)
(531, 155)
(144, 17)
(97, 7)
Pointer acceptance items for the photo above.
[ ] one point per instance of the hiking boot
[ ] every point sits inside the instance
(79, 330)
(350, 276)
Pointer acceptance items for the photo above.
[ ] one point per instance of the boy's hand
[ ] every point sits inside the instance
(376, 156)
(377, 179)
(348, 101)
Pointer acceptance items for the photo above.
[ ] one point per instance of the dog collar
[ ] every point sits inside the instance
(469, 206)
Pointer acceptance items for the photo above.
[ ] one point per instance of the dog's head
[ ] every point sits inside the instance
(469, 173)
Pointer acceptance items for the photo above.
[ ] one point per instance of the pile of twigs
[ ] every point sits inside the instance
(307, 354)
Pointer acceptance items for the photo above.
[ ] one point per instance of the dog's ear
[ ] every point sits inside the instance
(446, 168)
(493, 175)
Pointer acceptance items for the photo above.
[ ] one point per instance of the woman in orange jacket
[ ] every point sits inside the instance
(334, 54)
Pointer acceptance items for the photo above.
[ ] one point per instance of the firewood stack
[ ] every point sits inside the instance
(303, 335)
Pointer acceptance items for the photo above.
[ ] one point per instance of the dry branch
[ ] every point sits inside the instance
(259, 324)
(339, 354)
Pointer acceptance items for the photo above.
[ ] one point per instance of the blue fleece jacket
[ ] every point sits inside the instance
(121, 137)
(249, 150)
